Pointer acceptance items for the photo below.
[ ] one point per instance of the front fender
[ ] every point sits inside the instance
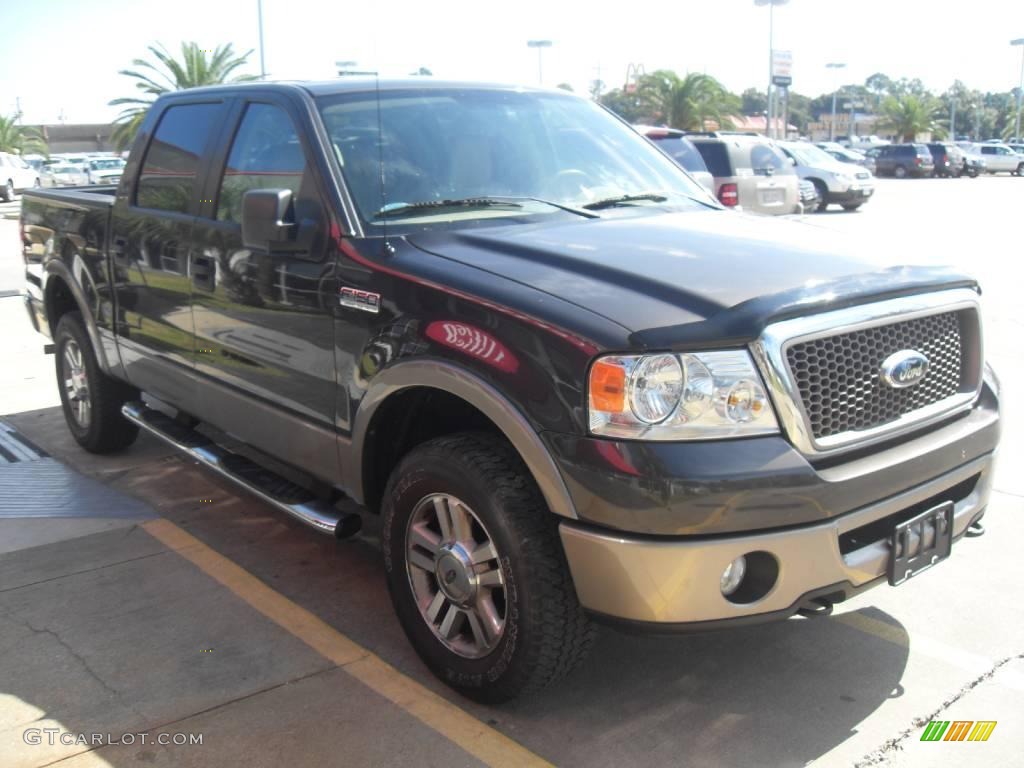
(462, 383)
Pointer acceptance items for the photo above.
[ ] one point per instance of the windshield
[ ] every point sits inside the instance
(428, 146)
(106, 165)
(808, 154)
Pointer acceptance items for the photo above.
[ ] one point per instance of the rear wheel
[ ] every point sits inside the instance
(7, 191)
(476, 569)
(1020, 169)
(900, 172)
(91, 400)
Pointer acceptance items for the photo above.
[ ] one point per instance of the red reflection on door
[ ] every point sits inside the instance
(474, 342)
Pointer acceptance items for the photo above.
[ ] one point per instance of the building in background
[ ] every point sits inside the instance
(863, 125)
(85, 137)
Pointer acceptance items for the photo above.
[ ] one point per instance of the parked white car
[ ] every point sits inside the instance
(104, 170)
(999, 158)
(837, 183)
(64, 175)
(15, 175)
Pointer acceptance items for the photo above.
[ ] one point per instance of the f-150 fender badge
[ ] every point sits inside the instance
(353, 298)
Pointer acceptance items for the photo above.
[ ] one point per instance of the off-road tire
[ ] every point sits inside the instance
(107, 430)
(546, 632)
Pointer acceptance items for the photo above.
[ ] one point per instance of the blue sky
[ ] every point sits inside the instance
(63, 55)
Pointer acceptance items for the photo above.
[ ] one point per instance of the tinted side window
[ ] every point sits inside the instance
(988, 150)
(168, 178)
(266, 154)
(716, 156)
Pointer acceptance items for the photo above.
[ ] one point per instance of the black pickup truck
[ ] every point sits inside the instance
(574, 387)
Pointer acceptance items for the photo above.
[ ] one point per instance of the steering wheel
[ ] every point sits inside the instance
(570, 184)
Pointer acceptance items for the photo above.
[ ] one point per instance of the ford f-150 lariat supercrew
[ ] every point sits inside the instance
(573, 386)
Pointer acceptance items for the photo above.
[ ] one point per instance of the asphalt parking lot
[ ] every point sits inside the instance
(142, 595)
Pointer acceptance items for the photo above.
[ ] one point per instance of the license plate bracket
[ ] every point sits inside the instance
(920, 542)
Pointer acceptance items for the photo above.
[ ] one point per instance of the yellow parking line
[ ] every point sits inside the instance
(480, 740)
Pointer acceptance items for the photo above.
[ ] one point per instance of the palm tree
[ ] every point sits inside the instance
(686, 102)
(908, 115)
(197, 67)
(19, 140)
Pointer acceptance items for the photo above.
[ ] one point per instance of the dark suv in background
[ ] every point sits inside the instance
(948, 159)
(902, 160)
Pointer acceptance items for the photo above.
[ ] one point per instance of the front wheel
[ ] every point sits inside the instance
(476, 570)
(7, 191)
(851, 206)
(1020, 169)
(822, 193)
(91, 400)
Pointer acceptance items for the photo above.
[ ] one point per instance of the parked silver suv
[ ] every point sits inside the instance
(749, 171)
(839, 183)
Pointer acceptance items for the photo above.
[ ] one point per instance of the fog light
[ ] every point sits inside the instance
(733, 575)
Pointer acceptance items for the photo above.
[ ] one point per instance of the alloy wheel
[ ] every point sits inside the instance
(76, 384)
(455, 573)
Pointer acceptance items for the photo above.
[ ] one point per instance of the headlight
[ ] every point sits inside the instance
(694, 396)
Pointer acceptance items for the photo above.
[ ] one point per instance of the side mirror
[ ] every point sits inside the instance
(265, 214)
(792, 161)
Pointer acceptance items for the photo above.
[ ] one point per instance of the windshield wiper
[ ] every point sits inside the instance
(509, 201)
(611, 202)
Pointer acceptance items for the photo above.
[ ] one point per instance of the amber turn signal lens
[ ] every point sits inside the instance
(607, 387)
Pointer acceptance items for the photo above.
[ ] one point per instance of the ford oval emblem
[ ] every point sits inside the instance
(904, 368)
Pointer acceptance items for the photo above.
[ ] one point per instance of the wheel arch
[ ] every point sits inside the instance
(62, 294)
(424, 376)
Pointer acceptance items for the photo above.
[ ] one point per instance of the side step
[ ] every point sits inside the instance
(259, 481)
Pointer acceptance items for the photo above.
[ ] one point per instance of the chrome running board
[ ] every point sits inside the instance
(281, 493)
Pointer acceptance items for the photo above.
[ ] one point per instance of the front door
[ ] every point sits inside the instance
(264, 336)
(151, 234)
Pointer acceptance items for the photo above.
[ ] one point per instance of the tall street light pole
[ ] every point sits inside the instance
(771, 47)
(263, 64)
(540, 45)
(1020, 87)
(832, 126)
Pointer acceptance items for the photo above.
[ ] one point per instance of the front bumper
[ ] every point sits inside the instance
(855, 194)
(659, 522)
(674, 583)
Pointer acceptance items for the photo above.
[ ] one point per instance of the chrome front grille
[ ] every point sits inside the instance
(838, 376)
(825, 378)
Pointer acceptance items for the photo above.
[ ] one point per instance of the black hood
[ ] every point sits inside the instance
(687, 276)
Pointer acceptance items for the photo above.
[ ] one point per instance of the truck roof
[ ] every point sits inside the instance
(362, 83)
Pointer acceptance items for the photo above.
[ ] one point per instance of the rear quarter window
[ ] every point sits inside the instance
(171, 167)
(716, 157)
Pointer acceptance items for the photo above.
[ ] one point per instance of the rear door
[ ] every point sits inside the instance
(264, 350)
(151, 233)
